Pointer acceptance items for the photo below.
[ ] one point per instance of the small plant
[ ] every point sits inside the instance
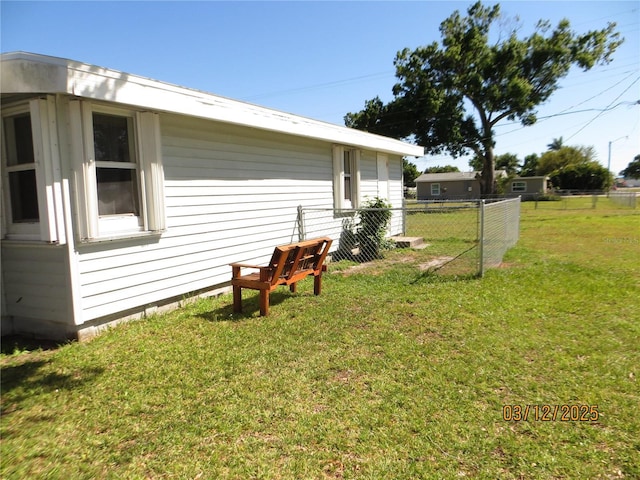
(375, 217)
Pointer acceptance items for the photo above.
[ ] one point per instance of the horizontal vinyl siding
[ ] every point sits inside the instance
(368, 177)
(35, 283)
(231, 195)
(396, 194)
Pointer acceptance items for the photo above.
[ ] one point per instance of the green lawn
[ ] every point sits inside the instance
(390, 374)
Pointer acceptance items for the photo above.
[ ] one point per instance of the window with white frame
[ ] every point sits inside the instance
(346, 177)
(435, 189)
(22, 176)
(20, 169)
(31, 183)
(119, 171)
(519, 187)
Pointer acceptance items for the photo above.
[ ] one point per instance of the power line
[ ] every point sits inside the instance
(614, 100)
(334, 83)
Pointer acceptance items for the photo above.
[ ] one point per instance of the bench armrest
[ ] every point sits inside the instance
(265, 272)
(246, 265)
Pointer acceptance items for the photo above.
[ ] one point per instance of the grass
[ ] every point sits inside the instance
(390, 373)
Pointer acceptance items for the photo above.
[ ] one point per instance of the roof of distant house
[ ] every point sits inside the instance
(454, 176)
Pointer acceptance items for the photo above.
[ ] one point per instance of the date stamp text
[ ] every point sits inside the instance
(550, 413)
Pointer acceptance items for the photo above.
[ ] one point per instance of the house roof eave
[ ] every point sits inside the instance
(32, 73)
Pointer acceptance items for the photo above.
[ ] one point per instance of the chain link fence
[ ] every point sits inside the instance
(447, 237)
(568, 200)
(499, 230)
(624, 199)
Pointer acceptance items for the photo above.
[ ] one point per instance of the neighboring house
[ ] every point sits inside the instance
(527, 186)
(122, 194)
(450, 185)
(466, 185)
(627, 182)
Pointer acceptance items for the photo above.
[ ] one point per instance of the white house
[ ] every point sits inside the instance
(121, 194)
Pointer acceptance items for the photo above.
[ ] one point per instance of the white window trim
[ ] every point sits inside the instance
(146, 136)
(435, 191)
(50, 227)
(339, 201)
(522, 187)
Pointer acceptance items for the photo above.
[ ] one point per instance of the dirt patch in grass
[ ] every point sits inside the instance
(376, 267)
(435, 263)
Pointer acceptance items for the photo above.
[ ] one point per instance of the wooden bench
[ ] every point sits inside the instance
(289, 264)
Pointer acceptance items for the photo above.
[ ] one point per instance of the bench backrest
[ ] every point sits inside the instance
(289, 262)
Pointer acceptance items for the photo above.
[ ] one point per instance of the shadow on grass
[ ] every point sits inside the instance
(13, 344)
(250, 307)
(30, 377)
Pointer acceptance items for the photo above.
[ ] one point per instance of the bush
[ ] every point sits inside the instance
(375, 217)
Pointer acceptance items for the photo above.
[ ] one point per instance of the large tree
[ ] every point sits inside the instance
(442, 169)
(633, 169)
(529, 165)
(409, 173)
(574, 168)
(450, 96)
(508, 162)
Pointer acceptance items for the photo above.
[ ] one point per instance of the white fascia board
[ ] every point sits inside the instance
(32, 73)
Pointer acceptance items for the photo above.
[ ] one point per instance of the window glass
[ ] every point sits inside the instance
(117, 191)
(21, 169)
(20, 139)
(519, 187)
(347, 162)
(24, 196)
(435, 189)
(347, 175)
(111, 138)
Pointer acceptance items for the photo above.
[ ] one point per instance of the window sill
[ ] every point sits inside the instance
(122, 237)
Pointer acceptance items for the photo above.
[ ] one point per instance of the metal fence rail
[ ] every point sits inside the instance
(450, 237)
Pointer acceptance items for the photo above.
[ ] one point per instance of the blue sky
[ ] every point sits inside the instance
(324, 59)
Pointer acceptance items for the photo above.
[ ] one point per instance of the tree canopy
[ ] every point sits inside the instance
(443, 169)
(409, 173)
(508, 162)
(450, 96)
(633, 169)
(574, 168)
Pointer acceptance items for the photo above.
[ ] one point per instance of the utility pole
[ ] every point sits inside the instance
(609, 157)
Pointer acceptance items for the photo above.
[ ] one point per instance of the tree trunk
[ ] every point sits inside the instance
(487, 178)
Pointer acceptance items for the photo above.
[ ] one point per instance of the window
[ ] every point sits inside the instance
(119, 172)
(348, 194)
(519, 187)
(116, 171)
(20, 174)
(31, 181)
(346, 177)
(21, 169)
(435, 189)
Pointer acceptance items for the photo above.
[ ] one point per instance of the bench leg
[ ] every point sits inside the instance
(264, 302)
(292, 287)
(237, 299)
(317, 284)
